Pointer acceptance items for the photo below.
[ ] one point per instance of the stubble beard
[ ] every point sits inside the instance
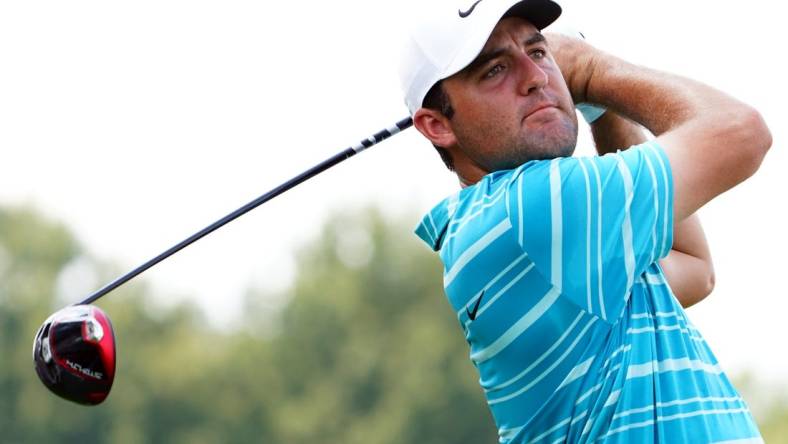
(522, 148)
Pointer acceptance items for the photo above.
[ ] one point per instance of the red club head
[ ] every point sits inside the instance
(74, 354)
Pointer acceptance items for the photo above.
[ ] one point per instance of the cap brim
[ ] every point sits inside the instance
(441, 48)
(540, 13)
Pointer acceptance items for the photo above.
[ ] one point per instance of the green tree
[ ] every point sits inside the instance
(365, 350)
(769, 405)
(32, 252)
(368, 349)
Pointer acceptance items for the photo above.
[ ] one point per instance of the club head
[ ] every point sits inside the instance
(74, 354)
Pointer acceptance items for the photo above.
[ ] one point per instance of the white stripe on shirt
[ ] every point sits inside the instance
(626, 228)
(588, 234)
(601, 294)
(518, 328)
(475, 249)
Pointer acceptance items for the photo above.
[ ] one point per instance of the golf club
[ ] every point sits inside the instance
(74, 350)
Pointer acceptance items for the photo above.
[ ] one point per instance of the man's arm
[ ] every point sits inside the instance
(712, 140)
(688, 268)
(612, 132)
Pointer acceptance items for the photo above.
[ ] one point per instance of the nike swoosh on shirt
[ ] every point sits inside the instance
(468, 12)
(472, 314)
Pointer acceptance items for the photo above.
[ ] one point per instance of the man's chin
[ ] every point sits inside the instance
(550, 146)
(531, 152)
(557, 138)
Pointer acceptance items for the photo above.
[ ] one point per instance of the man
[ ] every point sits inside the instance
(552, 262)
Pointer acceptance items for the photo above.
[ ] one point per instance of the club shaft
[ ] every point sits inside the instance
(306, 175)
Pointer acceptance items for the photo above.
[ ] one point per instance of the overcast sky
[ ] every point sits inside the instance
(138, 123)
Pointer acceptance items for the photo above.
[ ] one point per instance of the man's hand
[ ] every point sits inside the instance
(575, 57)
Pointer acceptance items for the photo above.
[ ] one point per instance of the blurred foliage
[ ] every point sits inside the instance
(362, 348)
(769, 404)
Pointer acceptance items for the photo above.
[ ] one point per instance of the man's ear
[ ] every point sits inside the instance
(435, 127)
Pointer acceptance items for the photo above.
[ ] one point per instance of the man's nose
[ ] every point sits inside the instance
(532, 76)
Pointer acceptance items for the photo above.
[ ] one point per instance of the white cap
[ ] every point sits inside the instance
(447, 35)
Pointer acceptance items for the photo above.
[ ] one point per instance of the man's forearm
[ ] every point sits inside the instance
(713, 141)
(689, 268)
(612, 132)
(657, 100)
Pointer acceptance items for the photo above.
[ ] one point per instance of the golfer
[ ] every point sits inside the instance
(564, 272)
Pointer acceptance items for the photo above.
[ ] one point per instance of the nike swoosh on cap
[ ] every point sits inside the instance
(468, 12)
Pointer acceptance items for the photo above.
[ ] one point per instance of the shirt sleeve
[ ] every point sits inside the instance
(593, 224)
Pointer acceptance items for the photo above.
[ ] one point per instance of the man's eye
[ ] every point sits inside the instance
(538, 53)
(495, 70)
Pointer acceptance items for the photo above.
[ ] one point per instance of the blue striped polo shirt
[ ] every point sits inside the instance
(552, 271)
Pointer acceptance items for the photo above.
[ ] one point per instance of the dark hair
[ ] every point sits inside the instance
(437, 99)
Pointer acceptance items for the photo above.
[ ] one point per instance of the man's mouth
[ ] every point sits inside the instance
(540, 109)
